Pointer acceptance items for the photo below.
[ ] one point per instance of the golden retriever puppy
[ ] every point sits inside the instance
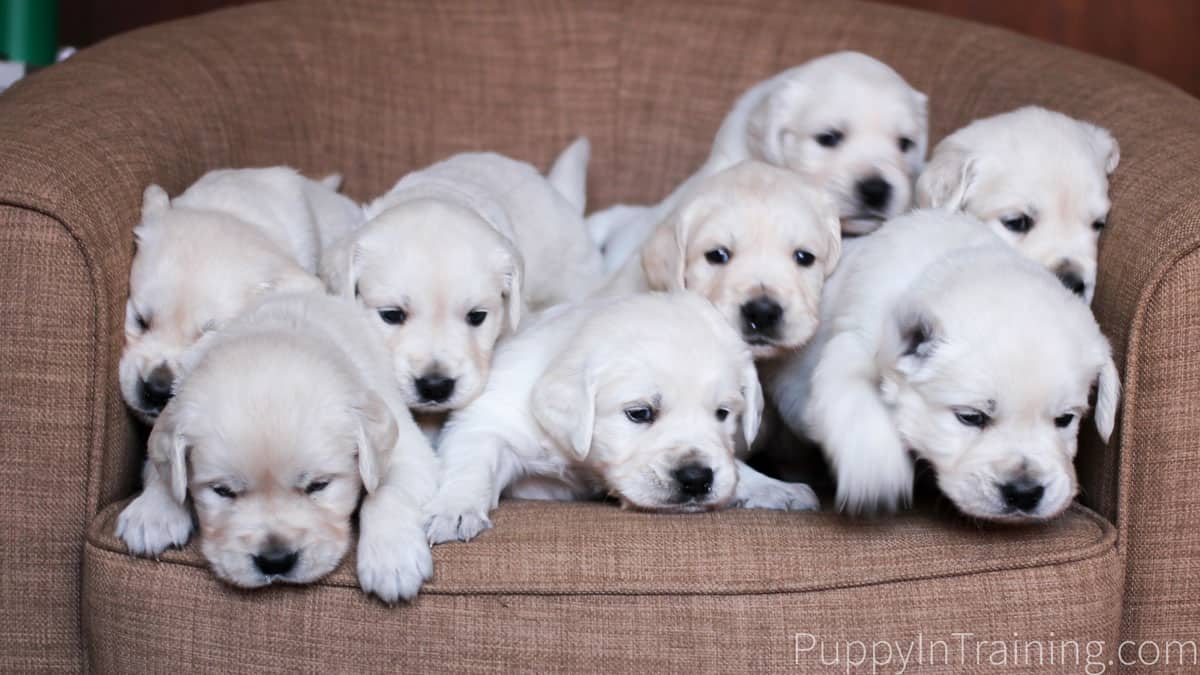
(640, 398)
(280, 419)
(230, 238)
(450, 256)
(758, 242)
(1038, 178)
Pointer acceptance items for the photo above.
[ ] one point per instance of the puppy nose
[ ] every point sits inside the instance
(1022, 494)
(694, 480)
(761, 314)
(875, 192)
(276, 562)
(1072, 281)
(435, 388)
(156, 388)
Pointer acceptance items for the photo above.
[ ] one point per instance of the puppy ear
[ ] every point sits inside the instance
(664, 257)
(921, 107)
(831, 221)
(154, 201)
(753, 395)
(338, 266)
(913, 340)
(945, 181)
(1108, 395)
(168, 449)
(767, 135)
(1107, 148)
(377, 435)
(564, 405)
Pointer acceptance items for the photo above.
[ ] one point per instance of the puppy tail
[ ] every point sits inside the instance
(333, 181)
(568, 175)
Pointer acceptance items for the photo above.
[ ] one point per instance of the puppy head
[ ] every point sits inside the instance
(852, 125)
(1038, 178)
(442, 286)
(653, 411)
(758, 242)
(274, 440)
(988, 368)
(192, 271)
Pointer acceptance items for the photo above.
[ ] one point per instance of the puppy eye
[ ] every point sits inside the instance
(224, 491)
(829, 139)
(718, 256)
(143, 324)
(476, 317)
(1064, 421)
(804, 258)
(906, 144)
(316, 486)
(1099, 224)
(640, 414)
(972, 417)
(1020, 223)
(393, 316)
(722, 414)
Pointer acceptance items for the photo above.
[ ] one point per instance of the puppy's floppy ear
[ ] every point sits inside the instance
(753, 395)
(564, 404)
(767, 135)
(1108, 395)
(664, 256)
(338, 264)
(376, 436)
(921, 108)
(946, 179)
(168, 449)
(1106, 147)
(513, 281)
(831, 222)
(154, 201)
(912, 340)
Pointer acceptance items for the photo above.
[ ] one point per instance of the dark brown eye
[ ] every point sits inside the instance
(393, 316)
(906, 144)
(224, 491)
(804, 258)
(1064, 421)
(1099, 224)
(829, 139)
(316, 486)
(722, 414)
(718, 256)
(1020, 223)
(972, 418)
(640, 414)
(476, 317)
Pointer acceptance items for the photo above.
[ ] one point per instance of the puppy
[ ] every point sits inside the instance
(278, 420)
(939, 340)
(647, 413)
(1038, 178)
(757, 241)
(233, 236)
(846, 121)
(449, 257)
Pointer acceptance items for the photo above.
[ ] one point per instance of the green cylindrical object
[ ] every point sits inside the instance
(29, 31)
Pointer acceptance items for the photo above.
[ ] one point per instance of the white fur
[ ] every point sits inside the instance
(1000, 335)
(777, 121)
(1035, 162)
(552, 422)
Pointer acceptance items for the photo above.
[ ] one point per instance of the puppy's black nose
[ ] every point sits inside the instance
(1022, 494)
(874, 192)
(156, 388)
(694, 480)
(276, 561)
(761, 314)
(435, 388)
(1072, 281)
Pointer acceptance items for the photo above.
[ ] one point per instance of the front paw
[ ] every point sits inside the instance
(780, 496)
(875, 475)
(454, 522)
(394, 564)
(152, 523)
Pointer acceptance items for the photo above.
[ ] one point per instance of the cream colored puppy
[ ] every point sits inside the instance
(449, 257)
(639, 397)
(757, 241)
(278, 421)
(939, 340)
(846, 121)
(233, 236)
(1038, 178)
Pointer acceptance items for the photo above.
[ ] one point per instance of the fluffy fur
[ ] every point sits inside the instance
(936, 338)
(278, 422)
(1038, 178)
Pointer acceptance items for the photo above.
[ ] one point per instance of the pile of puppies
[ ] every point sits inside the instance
(292, 349)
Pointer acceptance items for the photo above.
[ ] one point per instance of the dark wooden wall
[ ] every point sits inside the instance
(1158, 36)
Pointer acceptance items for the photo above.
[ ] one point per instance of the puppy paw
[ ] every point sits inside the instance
(780, 496)
(153, 523)
(454, 523)
(875, 476)
(394, 564)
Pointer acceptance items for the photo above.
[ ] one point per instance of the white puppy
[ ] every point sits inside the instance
(757, 241)
(201, 258)
(846, 121)
(638, 397)
(449, 256)
(1039, 178)
(937, 339)
(278, 420)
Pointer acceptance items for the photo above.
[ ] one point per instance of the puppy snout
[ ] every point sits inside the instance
(1022, 494)
(1071, 278)
(156, 388)
(761, 315)
(695, 480)
(874, 192)
(276, 561)
(435, 387)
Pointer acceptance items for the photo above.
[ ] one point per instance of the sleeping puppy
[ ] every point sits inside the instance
(939, 340)
(278, 421)
(845, 121)
(757, 241)
(233, 236)
(1038, 178)
(576, 410)
(449, 257)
